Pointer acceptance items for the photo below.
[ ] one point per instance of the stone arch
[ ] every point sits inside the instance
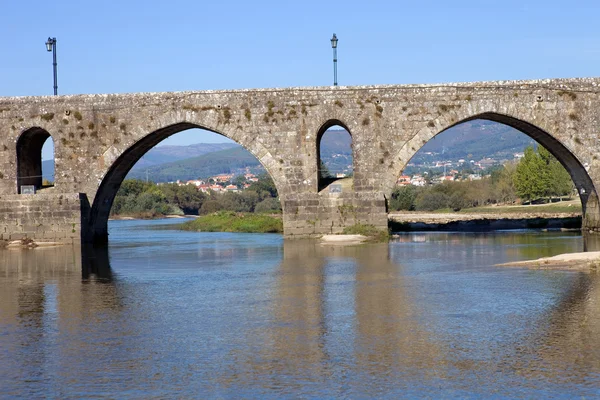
(29, 157)
(578, 172)
(321, 183)
(118, 169)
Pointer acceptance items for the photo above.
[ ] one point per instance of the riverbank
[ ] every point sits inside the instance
(486, 221)
(586, 262)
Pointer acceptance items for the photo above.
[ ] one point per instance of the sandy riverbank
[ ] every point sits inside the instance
(342, 240)
(587, 262)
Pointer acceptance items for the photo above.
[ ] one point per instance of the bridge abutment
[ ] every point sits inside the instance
(43, 217)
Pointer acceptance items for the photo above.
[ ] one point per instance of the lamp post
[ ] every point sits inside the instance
(334, 41)
(51, 46)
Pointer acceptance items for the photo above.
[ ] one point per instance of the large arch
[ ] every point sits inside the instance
(118, 170)
(29, 157)
(577, 171)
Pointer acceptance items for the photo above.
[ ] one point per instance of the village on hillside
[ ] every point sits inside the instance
(439, 171)
(222, 182)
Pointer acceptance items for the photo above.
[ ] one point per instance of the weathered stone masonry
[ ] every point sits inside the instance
(98, 138)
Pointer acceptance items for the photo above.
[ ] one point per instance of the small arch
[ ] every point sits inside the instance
(29, 158)
(327, 170)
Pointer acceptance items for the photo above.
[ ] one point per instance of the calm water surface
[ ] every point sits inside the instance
(169, 314)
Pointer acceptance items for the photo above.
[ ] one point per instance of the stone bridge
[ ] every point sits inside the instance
(98, 138)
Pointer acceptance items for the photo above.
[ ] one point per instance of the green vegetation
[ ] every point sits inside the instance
(370, 231)
(140, 199)
(228, 221)
(538, 177)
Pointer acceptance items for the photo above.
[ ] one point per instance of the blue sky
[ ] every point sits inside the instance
(134, 46)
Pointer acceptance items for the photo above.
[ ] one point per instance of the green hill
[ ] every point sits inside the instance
(204, 166)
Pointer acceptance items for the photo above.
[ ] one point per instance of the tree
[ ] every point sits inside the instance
(558, 181)
(265, 187)
(502, 183)
(403, 198)
(540, 175)
(324, 171)
(268, 205)
(210, 206)
(239, 181)
(431, 200)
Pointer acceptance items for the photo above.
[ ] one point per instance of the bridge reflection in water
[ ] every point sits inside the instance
(346, 321)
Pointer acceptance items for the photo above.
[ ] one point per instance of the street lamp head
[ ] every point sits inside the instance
(50, 43)
(334, 41)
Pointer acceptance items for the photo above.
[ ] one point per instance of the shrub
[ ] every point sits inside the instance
(268, 205)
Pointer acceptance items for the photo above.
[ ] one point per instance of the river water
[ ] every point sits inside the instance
(170, 314)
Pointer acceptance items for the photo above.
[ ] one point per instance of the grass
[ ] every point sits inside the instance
(229, 221)
(370, 231)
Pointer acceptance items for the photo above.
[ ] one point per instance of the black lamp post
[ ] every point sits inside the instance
(51, 46)
(334, 41)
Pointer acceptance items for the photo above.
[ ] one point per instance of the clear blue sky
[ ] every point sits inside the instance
(134, 46)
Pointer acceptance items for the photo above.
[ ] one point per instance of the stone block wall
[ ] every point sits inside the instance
(311, 214)
(43, 217)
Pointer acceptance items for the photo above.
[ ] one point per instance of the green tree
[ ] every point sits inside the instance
(324, 171)
(239, 181)
(210, 206)
(403, 198)
(558, 180)
(431, 200)
(268, 205)
(529, 176)
(539, 174)
(187, 197)
(265, 187)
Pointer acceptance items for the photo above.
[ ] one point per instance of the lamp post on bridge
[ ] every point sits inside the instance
(51, 46)
(334, 41)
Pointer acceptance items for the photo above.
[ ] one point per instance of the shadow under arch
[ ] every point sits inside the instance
(578, 173)
(29, 157)
(97, 231)
(322, 182)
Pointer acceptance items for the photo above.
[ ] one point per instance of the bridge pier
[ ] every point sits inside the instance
(311, 214)
(590, 208)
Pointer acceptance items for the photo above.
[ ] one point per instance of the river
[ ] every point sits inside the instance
(168, 314)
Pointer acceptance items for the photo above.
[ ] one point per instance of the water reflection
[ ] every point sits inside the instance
(427, 315)
(572, 325)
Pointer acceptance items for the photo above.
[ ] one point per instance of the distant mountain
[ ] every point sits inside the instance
(166, 154)
(204, 166)
(475, 140)
(335, 148)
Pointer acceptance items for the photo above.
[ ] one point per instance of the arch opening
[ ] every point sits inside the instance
(184, 176)
(35, 160)
(487, 148)
(334, 155)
